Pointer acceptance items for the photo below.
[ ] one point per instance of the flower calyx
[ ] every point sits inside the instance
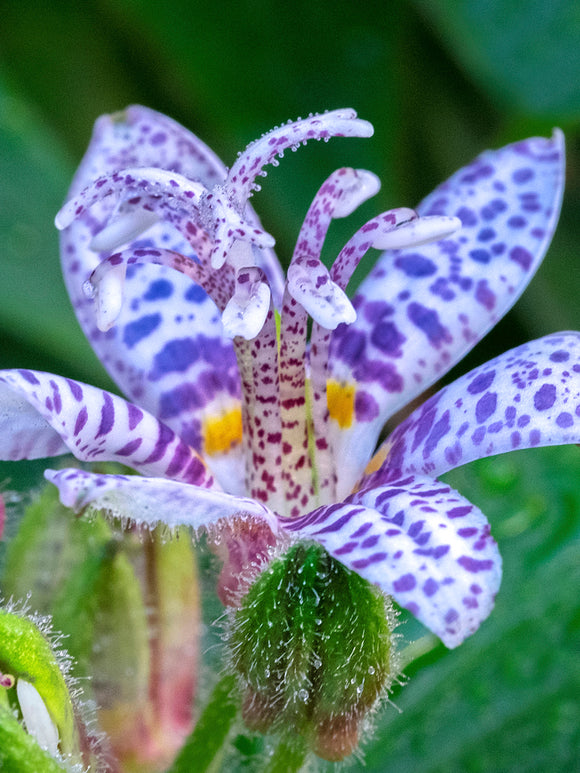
(313, 646)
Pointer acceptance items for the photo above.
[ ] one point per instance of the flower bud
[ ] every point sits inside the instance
(128, 602)
(313, 645)
(41, 723)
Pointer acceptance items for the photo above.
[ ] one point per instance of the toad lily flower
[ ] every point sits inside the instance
(233, 414)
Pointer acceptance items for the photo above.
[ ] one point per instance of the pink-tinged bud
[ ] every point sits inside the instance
(313, 644)
(128, 604)
(243, 545)
(145, 649)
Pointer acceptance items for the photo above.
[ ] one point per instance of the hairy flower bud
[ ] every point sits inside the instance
(42, 725)
(128, 602)
(313, 644)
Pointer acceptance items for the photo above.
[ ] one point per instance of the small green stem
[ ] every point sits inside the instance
(287, 757)
(208, 741)
(417, 649)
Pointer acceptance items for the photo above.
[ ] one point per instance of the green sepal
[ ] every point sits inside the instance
(25, 653)
(19, 752)
(312, 642)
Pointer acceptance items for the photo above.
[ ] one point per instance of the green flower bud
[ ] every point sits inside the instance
(128, 603)
(34, 684)
(313, 645)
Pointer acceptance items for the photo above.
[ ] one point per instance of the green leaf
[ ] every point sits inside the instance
(34, 306)
(525, 55)
(506, 699)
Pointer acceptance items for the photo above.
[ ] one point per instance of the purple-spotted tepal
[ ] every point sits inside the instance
(234, 416)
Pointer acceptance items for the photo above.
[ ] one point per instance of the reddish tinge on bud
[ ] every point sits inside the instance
(243, 545)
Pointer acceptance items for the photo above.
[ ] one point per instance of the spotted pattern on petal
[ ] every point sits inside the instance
(420, 310)
(529, 396)
(422, 543)
(149, 501)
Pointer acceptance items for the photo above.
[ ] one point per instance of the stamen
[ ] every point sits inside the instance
(107, 291)
(106, 283)
(225, 226)
(310, 284)
(372, 234)
(399, 228)
(172, 189)
(363, 185)
(250, 163)
(131, 221)
(246, 311)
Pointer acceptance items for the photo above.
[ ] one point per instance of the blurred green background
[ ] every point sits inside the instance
(440, 81)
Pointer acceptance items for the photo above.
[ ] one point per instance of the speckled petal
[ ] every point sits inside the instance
(150, 501)
(421, 310)
(46, 415)
(529, 396)
(167, 351)
(422, 543)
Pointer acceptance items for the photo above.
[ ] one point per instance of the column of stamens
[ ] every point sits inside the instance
(261, 437)
(341, 272)
(345, 190)
(296, 459)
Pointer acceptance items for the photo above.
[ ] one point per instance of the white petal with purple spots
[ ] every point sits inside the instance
(419, 311)
(529, 396)
(422, 543)
(150, 501)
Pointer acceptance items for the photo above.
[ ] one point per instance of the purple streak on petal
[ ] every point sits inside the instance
(428, 564)
(107, 416)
